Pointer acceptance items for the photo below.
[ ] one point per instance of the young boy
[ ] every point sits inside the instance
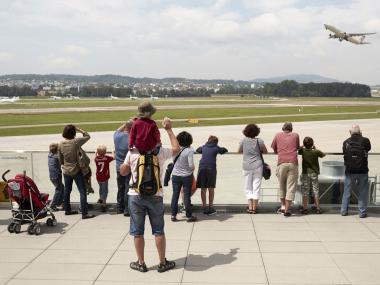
(55, 175)
(102, 162)
(144, 134)
(206, 178)
(310, 172)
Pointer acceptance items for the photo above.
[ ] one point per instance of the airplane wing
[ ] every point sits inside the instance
(363, 34)
(353, 40)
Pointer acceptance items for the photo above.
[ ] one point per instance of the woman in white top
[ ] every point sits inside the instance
(252, 148)
(182, 176)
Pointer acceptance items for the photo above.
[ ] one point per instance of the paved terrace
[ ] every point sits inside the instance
(229, 248)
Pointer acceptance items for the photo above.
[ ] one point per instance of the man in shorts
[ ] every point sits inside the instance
(140, 206)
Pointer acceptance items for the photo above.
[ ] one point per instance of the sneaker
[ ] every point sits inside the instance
(191, 219)
(162, 267)
(68, 213)
(88, 216)
(211, 212)
(343, 213)
(363, 216)
(139, 267)
(173, 219)
(205, 211)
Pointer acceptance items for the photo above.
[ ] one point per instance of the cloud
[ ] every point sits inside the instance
(76, 50)
(58, 62)
(5, 57)
(239, 39)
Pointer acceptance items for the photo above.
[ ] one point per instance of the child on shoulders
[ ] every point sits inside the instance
(144, 134)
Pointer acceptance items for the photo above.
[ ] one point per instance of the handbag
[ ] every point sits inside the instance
(169, 169)
(267, 172)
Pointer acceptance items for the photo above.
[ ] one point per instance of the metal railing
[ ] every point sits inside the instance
(229, 189)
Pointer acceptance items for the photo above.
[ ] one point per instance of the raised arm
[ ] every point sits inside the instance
(167, 124)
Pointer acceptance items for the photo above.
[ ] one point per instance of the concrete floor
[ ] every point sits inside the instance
(223, 249)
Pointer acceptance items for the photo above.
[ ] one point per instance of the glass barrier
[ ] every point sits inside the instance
(230, 182)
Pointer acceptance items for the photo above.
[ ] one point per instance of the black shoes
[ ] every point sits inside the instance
(88, 216)
(68, 213)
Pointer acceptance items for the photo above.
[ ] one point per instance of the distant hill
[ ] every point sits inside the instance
(112, 79)
(300, 78)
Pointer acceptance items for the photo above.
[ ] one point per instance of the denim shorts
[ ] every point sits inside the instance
(139, 207)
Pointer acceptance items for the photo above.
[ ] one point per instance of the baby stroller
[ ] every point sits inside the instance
(31, 204)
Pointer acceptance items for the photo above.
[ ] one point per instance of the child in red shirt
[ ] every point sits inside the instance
(144, 134)
(102, 162)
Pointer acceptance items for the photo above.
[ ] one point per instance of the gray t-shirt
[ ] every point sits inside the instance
(185, 163)
(251, 155)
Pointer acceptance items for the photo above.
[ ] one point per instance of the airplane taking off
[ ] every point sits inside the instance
(153, 97)
(133, 97)
(338, 34)
(9, 100)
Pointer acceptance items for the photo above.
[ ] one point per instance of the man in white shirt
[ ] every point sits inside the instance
(140, 205)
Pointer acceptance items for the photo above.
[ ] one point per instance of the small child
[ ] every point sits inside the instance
(144, 134)
(310, 172)
(206, 178)
(55, 175)
(102, 162)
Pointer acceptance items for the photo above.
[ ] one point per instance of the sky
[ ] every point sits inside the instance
(203, 39)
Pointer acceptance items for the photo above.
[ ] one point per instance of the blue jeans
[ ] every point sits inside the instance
(103, 190)
(59, 191)
(79, 181)
(360, 181)
(186, 182)
(139, 207)
(122, 193)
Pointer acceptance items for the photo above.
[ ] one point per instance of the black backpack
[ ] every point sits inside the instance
(148, 175)
(355, 156)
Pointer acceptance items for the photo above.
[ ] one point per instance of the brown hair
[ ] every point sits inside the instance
(251, 131)
(213, 139)
(308, 142)
(101, 150)
(53, 147)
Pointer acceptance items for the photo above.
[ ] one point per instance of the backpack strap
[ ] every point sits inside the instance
(178, 155)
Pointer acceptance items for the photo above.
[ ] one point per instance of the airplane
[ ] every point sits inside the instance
(153, 97)
(113, 97)
(55, 97)
(71, 97)
(133, 97)
(338, 34)
(9, 100)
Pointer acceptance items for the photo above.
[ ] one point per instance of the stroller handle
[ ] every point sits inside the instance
(5, 173)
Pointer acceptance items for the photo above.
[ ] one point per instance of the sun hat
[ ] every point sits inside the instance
(146, 110)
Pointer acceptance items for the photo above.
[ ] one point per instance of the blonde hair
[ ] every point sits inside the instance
(53, 147)
(102, 149)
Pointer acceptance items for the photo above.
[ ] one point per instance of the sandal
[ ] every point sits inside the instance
(139, 267)
(248, 211)
(304, 212)
(165, 266)
(318, 211)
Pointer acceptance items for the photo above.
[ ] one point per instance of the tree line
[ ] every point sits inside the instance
(287, 88)
(290, 88)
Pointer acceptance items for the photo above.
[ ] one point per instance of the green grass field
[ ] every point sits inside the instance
(227, 114)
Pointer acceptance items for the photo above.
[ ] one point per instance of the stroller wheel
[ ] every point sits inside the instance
(17, 228)
(11, 227)
(36, 229)
(50, 222)
(30, 229)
